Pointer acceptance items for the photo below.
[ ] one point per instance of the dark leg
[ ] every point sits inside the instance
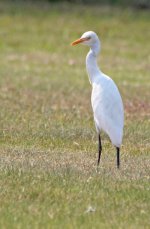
(99, 149)
(118, 157)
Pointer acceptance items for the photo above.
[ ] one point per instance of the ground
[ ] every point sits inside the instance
(48, 142)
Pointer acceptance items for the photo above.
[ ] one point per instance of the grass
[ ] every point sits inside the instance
(48, 142)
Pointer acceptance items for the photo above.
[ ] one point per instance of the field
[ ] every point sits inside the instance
(48, 142)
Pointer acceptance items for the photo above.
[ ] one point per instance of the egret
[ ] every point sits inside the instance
(106, 101)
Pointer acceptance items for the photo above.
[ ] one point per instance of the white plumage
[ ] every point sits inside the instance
(106, 100)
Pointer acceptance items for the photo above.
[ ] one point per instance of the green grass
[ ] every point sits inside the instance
(48, 143)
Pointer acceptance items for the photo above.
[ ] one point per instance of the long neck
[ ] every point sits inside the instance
(91, 64)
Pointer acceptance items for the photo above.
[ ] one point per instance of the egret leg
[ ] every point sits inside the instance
(99, 149)
(118, 157)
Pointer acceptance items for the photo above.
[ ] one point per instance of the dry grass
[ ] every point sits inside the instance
(48, 142)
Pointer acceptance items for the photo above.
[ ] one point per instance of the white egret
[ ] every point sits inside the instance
(106, 100)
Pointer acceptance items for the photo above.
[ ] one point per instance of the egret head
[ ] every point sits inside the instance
(89, 38)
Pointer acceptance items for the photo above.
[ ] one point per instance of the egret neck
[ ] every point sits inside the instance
(91, 63)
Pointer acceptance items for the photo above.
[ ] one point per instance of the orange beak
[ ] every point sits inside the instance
(80, 40)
